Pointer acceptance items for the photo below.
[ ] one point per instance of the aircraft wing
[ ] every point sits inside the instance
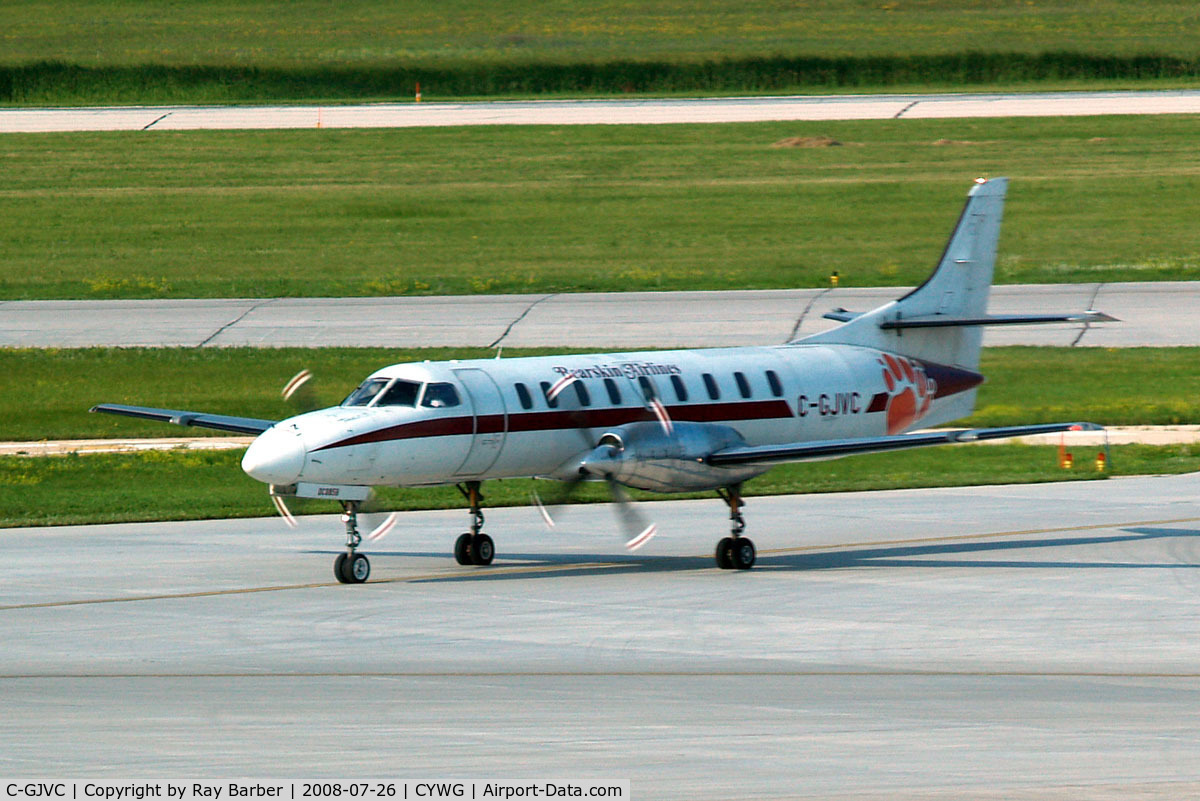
(221, 422)
(833, 448)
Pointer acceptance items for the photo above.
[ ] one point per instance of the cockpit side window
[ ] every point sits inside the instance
(400, 393)
(366, 392)
(440, 395)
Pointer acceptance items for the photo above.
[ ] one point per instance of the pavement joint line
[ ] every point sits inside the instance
(804, 314)
(524, 569)
(420, 674)
(904, 110)
(234, 322)
(157, 121)
(521, 317)
(1091, 305)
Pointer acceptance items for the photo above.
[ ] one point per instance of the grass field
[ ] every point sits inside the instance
(475, 210)
(94, 51)
(46, 393)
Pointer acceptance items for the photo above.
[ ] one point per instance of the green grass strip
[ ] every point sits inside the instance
(590, 208)
(46, 393)
(175, 485)
(108, 51)
(59, 83)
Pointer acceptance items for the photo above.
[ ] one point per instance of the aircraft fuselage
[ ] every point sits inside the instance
(502, 418)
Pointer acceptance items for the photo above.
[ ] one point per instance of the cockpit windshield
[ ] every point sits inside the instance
(400, 393)
(366, 392)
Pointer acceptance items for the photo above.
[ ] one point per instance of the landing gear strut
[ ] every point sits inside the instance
(474, 547)
(735, 551)
(351, 567)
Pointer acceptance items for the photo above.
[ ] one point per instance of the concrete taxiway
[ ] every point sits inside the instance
(999, 642)
(650, 111)
(1151, 314)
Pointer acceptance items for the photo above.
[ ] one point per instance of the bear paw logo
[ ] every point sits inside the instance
(910, 392)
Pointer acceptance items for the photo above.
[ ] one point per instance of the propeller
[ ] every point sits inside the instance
(380, 520)
(281, 506)
(300, 392)
(636, 529)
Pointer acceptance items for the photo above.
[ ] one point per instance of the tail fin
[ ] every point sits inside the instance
(940, 321)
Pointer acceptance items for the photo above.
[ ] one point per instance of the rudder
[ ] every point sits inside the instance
(957, 289)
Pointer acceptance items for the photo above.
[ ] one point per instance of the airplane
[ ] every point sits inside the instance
(664, 421)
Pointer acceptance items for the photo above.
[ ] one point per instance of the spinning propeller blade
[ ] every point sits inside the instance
(380, 531)
(299, 392)
(281, 506)
(637, 530)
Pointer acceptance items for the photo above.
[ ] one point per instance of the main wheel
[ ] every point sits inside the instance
(483, 550)
(743, 553)
(339, 568)
(462, 550)
(725, 553)
(357, 568)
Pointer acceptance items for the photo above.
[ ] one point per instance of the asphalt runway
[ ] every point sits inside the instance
(1151, 314)
(1021, 642)
(594, 112)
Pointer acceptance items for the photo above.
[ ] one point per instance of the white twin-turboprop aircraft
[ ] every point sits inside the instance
(665, 421)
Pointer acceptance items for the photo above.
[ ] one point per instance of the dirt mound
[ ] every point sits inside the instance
(808, 141)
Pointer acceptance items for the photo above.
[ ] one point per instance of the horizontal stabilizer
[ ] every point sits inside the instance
(841, 315)
(947, 321)
(220, 422)
(833, 448)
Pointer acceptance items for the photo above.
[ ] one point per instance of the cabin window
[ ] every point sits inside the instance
(581, 392)
(400, 393)
(773, 381)
(649, 391)
(366, 392)
(743, 385)
(523, 396)
(551, 402)
(614, 392)
(710, 383)
(680, 388)
(440, 395)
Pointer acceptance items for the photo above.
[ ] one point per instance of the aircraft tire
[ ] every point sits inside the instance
(462, 550)
(743, 553)
(483, 550)
(724, 553)
(357, 568)
(339, 568)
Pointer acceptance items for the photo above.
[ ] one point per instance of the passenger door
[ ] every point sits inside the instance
(491, 421)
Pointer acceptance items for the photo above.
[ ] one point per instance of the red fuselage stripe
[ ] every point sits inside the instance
(949, 380)
(558, 420)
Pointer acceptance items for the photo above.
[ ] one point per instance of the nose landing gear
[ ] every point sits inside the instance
(351, 567)
(474, 547)
(735, 552)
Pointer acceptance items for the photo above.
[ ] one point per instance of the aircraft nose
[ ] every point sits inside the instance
(277, 456)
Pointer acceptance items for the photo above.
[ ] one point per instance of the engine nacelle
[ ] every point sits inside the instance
(644, 456)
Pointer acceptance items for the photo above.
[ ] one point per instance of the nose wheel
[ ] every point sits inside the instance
(351, 567)
(474, 547)
(735, 552)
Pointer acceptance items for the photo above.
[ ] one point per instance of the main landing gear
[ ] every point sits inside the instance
(351, 567)
(735, 552)
(474, 547)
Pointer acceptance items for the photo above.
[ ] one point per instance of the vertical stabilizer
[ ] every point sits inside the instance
(957, 289)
